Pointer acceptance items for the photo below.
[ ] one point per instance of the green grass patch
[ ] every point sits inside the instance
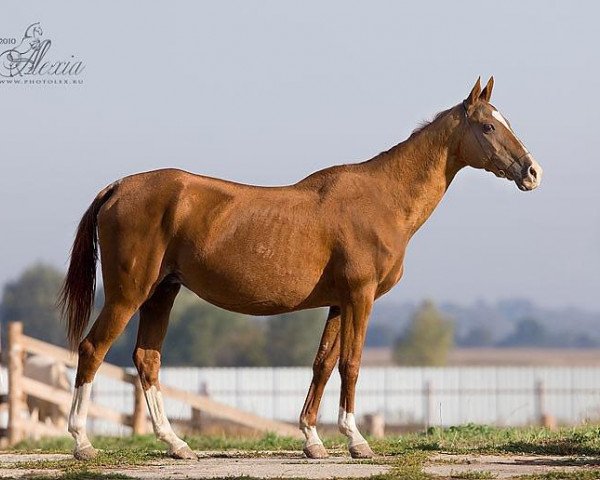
(470, 438)
(405, 454)
(564, 475)
(474, 475)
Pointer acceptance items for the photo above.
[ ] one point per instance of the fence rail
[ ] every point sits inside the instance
(265, 398)
(132, 415)
(404, 396)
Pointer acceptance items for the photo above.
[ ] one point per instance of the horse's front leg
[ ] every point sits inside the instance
(327, 355)
(354, 320)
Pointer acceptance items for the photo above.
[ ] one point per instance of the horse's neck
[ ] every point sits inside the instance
(417, 172)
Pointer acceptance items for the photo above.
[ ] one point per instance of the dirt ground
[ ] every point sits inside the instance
(288, 465)
(214, 464)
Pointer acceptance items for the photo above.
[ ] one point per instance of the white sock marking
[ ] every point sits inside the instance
(311, 435)
(78, 416)
(160, 422)
(347, 425)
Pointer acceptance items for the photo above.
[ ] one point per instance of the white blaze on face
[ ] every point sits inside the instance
(347, 425)
(78, 416)
(498, 116)
(160, 422)
(533, 177)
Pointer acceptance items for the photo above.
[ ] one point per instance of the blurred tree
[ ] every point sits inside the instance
(201, 334)
(206, 336)
(477, 336)
(427, 340)
(528, 332)
(121, 351)
(380, 336)
(31, 299)
(293, 338)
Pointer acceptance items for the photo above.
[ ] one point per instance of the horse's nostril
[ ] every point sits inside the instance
(532, 172)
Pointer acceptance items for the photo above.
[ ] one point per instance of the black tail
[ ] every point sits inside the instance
(77, 294)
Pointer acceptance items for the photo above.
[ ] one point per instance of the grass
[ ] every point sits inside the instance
(562, 475)
(482, 439)
(474, 475)
(405, 454)
(470, 438)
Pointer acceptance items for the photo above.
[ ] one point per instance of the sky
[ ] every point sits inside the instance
(268, 92)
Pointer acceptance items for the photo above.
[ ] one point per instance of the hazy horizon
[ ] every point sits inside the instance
(268, 93)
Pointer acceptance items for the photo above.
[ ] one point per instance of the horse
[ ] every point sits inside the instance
(47, 370)
(335, 239)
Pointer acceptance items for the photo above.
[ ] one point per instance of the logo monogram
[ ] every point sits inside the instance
(30, 58)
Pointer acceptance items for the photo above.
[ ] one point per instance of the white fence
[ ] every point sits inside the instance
(428, 396)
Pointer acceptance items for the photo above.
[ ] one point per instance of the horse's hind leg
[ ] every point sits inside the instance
(327, 355)
(154, 319)
(110, 324)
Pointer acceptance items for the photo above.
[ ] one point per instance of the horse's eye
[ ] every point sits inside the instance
(488, 127)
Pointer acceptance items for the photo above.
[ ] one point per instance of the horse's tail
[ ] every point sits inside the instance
(77, 295)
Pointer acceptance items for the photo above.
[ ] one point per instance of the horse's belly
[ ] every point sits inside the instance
(258, 295)
(257, 252)
(261, 275)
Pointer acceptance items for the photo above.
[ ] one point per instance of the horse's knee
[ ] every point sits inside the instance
(323, 365)
(349, 370)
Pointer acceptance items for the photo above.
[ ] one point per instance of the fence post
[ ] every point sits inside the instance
(15, 385)
(138, 423)
(197, 414)
(375, 425)
(427, 404)
(543, 418)
(540, 400)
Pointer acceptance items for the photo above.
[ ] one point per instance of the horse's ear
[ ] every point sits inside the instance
(486, 93)
(474, 95)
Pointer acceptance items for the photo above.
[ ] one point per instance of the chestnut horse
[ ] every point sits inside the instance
(335, 239)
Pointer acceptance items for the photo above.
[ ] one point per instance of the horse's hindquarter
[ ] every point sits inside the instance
(253, 249)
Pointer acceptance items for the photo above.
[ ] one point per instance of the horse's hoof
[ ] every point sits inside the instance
(362, 450)
(86, 453)
(316, 451)
(184, 453)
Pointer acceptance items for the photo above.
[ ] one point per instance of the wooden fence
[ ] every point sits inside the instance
(20, 386)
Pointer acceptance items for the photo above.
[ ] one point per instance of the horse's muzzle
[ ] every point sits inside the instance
(531, 174)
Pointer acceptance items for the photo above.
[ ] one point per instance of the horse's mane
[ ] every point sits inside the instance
(425, 123)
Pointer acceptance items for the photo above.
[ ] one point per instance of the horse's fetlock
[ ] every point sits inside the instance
(303, 422)
(76, 426)
(344, 428)
(163, 432)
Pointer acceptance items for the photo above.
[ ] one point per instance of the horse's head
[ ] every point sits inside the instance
(489, 141)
